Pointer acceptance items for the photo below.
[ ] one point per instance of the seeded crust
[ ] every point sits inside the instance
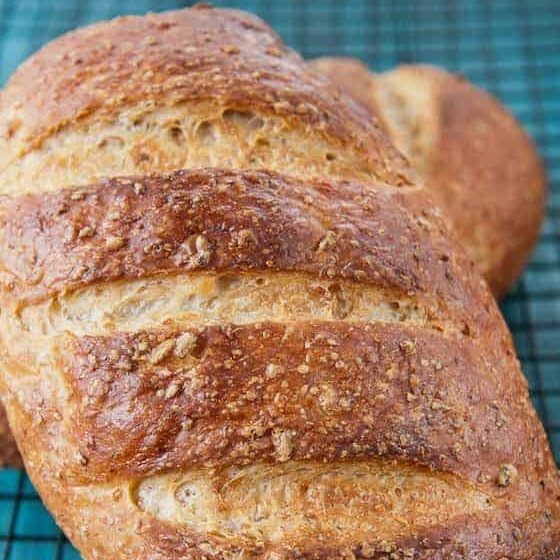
(199, 77)
(479, 164)
(182, 89)
(422, 419)
(118, 411)
(231, 363)
(251, 222)
(220, 220)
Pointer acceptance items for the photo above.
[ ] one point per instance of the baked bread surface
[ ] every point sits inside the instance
(143, 94)
(277, 353)
(476, 160)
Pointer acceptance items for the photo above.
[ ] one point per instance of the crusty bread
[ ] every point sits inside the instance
(154, 100)
(291, 362)
(480, 166)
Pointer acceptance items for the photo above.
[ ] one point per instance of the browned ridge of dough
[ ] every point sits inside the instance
(374, 406)
(193, 80)
(133, 227)
(277, 352)
(475, 158)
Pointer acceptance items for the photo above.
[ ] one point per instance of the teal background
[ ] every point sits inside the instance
(510, 47)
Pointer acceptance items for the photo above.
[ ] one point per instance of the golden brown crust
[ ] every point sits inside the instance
(444, 396)
(171, 394)
(490, 156)
(219, 220)
(477, 161)
(334, 390)
(161, 62)
(503, 533)
(201, 55)
(465, 538)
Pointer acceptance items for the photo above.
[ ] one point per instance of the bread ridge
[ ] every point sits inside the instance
(431, 389)
(146, 67)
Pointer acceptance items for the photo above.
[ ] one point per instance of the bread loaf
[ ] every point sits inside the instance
(283, 355)
(474, 157)
(157, 119)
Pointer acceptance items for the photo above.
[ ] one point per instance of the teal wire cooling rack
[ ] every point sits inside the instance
(510, 47)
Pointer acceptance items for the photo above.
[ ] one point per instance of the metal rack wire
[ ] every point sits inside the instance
(511, 47)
